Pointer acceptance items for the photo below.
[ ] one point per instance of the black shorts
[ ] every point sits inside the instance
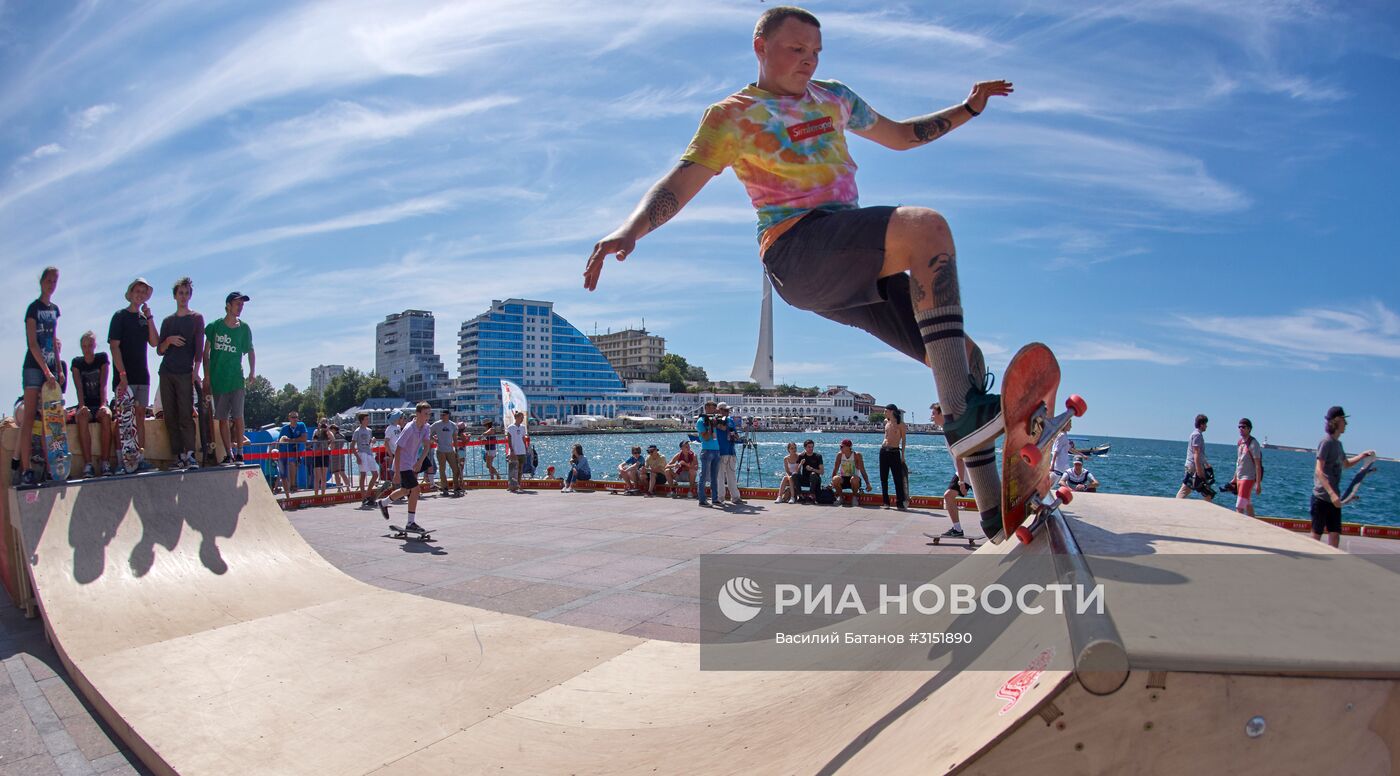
(408, 480)
(1326, 516)
(956, 485)
(849, 483)
(829, 263)
(659, 477)
(427, 465)
(320, 461)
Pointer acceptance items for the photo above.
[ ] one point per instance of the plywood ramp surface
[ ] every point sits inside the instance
(215, 641)
(1194, 586)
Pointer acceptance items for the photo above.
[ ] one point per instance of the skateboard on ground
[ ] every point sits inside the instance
(422, 535)
(937, 538)
(129, 450)
(204, 405)
(1028, 394)
(55, 432)
(1368, 465)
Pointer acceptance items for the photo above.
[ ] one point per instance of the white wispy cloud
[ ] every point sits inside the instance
(1100, 163)
(1099, 350)
(343, 123)
(47, 149)
(1370, 329)
(650, 102)
(91, 117)
(884, 27)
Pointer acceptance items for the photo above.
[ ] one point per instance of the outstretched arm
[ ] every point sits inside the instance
(912, 133)
(660, 204)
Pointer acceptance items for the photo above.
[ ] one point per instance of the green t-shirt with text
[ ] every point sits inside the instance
(227, 345)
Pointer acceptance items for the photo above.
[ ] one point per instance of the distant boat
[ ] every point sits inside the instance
(1288, 448)
(1085, 452)
(812, 431)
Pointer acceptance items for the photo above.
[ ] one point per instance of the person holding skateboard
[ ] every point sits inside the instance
(40, 363)
(1198, 470)
(90, 383)
(891, 271)
(132, 331)
(409, 452)
(1327, 474)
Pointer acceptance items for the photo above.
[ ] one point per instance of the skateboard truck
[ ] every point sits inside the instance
(1059, 497)
(1036, 427)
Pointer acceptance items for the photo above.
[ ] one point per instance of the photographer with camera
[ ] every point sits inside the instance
(728, 463)
(708, 427)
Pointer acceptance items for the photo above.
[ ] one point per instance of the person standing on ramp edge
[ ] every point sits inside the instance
(891, 271)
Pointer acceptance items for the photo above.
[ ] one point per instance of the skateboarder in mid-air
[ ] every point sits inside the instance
(891, 271)
(409, 453)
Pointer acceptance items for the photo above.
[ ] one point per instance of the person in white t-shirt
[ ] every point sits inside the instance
(363, 439)
(517, 449)
(1060, 455)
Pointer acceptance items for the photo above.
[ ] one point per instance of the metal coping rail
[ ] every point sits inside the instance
(1100, 659)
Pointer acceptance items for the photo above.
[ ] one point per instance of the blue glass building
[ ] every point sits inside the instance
(526, 342)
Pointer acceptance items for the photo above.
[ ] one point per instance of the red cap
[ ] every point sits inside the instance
(846, 443)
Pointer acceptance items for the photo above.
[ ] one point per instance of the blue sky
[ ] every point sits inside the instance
(1192, 202)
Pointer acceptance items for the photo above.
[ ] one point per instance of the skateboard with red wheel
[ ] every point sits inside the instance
(1027, 398)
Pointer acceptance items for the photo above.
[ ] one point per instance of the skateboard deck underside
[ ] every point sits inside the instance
(55, 433)
(126, 431)
(1032, 379)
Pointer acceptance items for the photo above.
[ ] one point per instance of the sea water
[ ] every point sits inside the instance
(1144, 467)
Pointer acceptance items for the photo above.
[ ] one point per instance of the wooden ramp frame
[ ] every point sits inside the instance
(214, 640)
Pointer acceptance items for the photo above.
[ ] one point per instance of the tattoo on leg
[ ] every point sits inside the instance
(661, 205)
(945, 279)
(917, 291)
(931, 128)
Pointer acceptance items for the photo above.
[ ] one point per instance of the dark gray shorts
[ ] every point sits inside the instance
(829, 264)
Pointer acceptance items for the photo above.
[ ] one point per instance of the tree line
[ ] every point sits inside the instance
(264, 404)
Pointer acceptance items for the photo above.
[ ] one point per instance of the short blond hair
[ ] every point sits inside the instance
(774, 17)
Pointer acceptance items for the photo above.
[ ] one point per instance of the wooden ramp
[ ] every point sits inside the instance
(215, 641)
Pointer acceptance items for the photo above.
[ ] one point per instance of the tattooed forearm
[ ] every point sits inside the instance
(945, 279)
(660, 206)
(931, 128)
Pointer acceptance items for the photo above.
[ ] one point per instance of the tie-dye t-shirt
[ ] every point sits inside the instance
(789, 152)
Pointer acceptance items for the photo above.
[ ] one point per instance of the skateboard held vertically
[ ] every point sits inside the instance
(1368, 465)
(1027, 398)
(204, 405)
(55, 432)
(128, 447)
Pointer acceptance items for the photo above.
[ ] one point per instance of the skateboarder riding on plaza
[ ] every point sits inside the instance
(891, 271)
(409, 453)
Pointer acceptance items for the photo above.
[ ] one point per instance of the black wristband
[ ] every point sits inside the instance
(969, 109)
